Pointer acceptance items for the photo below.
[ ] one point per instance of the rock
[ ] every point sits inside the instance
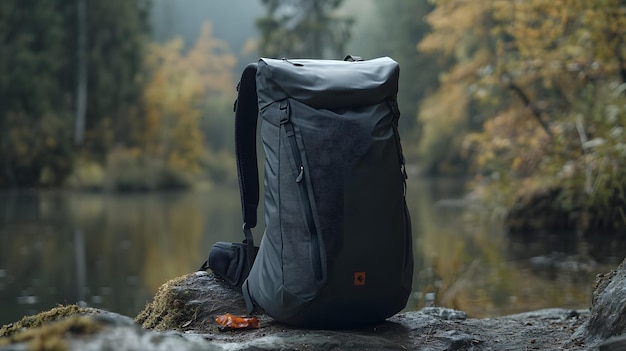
(405, 331)
(614, 344)
(200, 297)
(316, 340)
(459, 341)
(92, 333)
(181, 317)
(444, 313)
(62, 312)
(192, 302)
(538, 211)
(608, 308)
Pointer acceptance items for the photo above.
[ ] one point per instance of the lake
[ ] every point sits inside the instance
(113, 251)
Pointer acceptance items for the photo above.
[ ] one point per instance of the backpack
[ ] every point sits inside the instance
(336, 251)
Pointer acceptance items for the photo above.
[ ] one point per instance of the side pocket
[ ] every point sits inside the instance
(305, 199)
(230, 262)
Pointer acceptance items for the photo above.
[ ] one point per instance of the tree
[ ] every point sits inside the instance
(81, 73)
(35, 134)
(303, 29)
(38, 77)
(401, 27)
(117, 39)
(543, 81)
(460, 34)
(181, 91)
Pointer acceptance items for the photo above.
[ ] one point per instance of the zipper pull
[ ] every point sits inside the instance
(300, 175)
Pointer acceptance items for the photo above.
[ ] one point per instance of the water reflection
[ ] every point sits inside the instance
(109, 251)
(485, 272)
(114, 251)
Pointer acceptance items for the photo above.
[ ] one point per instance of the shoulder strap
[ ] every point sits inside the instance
(246, 113)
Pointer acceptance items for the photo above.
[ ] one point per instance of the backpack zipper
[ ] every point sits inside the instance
(304, 195)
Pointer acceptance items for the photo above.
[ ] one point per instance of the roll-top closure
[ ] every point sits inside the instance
(327, 84)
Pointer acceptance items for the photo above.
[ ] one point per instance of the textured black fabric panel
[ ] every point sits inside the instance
(299, 278)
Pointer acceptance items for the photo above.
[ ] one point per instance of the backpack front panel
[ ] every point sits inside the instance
(356, 179)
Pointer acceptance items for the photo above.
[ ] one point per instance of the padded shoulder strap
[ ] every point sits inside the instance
(246, 113)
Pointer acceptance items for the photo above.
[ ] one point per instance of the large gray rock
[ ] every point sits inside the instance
(182, 317)
(542, 330)
(608, 309)
(192, 302)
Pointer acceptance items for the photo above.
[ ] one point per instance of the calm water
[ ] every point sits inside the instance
(114, 251)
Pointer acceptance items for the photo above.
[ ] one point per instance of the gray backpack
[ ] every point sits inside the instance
(337, 249)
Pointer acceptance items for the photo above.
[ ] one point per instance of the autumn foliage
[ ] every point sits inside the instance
(535, 98)
(178, 94)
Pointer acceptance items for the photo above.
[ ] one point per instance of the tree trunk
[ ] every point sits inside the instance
(81, 86)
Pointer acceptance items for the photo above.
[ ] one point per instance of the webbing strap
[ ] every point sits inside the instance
(395, 111)
(247, 298)
(246, 113)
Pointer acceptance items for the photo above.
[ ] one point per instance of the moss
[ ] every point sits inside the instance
(42, 318)
(169, 310)
(46, 332)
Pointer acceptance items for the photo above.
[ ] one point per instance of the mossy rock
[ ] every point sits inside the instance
(55, 314)
(191, 302)
(48, 330)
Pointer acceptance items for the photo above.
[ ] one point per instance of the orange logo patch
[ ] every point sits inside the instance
(359, 278)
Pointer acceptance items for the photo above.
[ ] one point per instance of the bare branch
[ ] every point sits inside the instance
(532, 107)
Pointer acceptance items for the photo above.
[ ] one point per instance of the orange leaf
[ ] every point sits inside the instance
(235, 322)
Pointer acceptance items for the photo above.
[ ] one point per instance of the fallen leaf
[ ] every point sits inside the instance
(235, 322)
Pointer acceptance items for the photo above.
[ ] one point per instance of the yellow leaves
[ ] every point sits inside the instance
(484, 158)
(452, 21)
(534, 25)
(213, 61)
(526, 63)
(445, 109)
(509, 141)
(179, 89)
(30, 141)
(517, 163)
(544, 52)
(563, 32)
(250, 47)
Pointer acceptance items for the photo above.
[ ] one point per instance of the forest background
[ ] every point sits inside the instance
(526, 100)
